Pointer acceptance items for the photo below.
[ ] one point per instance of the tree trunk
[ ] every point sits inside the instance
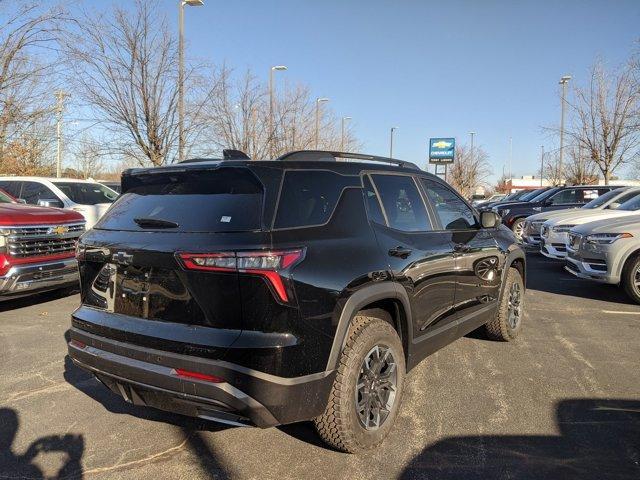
(607, 176)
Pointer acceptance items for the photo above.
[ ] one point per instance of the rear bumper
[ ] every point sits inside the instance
(31, 277)
(145, 376)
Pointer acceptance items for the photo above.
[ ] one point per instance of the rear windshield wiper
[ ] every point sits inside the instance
(155, 223)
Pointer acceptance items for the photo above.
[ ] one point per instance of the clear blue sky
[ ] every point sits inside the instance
(430, 68)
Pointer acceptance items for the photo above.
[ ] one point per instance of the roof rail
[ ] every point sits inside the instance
(333, 156)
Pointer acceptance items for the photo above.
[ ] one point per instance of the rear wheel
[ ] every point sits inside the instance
(518, 228)
(366, 393)
(508, 321)
(631, 278)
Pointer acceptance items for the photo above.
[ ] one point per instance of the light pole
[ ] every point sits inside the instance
(472, 135)
(318, 102)
(182, 3)
(60, 96)
(510, 155)
(271, 131)
(344, 119)
(541, 163)
(393, 129)
(563, 81)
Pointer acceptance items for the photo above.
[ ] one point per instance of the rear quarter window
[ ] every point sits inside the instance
(309, 197)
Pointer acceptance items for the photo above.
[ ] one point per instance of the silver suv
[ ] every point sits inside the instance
(607, 251)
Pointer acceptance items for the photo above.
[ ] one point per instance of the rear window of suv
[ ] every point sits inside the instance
(222, 200)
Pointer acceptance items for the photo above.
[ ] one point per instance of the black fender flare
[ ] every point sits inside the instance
(512, 256)
(389, 290)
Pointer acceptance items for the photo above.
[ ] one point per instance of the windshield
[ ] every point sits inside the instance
(602, 199)
(4, 197)
(85, 193)
(631, 205)
(544, 195)
(532, 194)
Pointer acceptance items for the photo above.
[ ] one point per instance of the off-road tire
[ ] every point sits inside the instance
(628, 278)
(499, 328)
(339, 425)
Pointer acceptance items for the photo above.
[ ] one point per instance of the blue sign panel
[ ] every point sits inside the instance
(442, 150)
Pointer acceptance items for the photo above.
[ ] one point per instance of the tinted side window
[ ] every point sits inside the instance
(402, 203)
(373, 203)
(308, 197)
(566, 196)
(32, 192)
(11, 187)
(454, 214)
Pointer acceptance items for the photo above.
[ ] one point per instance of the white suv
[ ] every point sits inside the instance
(87, 197)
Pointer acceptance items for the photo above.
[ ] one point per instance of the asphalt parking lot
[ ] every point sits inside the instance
(561, 402)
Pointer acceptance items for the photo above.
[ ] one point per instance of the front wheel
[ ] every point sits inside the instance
(367, 390)
(508, 321)
(631, 278)
(518, 228)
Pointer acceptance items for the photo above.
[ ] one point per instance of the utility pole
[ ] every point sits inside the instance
(541, 163)
(393, 129)
(342, 133)
(318, 102)
(60, 96)
(563, 81)
(510, 156)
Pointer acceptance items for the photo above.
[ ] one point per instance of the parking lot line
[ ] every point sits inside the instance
(621, 313)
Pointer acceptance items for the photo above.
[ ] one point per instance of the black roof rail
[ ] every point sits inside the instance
(333, 156)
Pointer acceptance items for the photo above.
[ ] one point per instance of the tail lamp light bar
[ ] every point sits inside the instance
(267, 264)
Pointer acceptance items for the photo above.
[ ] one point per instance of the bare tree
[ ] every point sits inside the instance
(579, 169)
(28, 36)
(605, 118)
(125, 67)
(470, 170)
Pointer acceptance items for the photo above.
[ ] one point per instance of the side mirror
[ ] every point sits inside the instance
(489, 219)
(614, 205)
(21, 200)
(50, 202)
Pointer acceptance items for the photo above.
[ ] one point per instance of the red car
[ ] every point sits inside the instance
(37, 247)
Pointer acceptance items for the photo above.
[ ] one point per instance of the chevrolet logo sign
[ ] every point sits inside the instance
(59, 230)
(442, 144)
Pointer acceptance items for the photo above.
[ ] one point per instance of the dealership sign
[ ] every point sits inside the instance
(442, 150)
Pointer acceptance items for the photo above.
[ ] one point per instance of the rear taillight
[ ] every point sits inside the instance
(268, 264)
(198, 376)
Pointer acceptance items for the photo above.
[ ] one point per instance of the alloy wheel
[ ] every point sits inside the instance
(514, 307)
(376, 387)
(518, 230)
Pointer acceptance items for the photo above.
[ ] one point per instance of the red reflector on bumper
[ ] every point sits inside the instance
(198, 376)
(78, 344)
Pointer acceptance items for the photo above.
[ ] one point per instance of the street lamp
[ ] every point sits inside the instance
(318, 102)
(344, 119)
(393, 129)
(563, 81)
(271, 131)
(472, 134)
(182, 3)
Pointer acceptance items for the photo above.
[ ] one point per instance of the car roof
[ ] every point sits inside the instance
(350, 164)
(47, 179)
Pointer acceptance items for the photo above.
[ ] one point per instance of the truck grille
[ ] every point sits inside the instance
(42, 240)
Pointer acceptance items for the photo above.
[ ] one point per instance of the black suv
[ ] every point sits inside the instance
(514, 213)
(270, 292)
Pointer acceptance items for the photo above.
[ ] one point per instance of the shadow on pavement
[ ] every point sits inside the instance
(598, 439)
(549, 276)
(35, 299)
(14, 465)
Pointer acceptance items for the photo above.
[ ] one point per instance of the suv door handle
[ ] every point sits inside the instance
(462, 248)
(400, 252)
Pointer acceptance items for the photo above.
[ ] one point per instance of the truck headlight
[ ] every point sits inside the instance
(606, 238)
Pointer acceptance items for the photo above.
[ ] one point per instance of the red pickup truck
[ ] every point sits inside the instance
(37, 247)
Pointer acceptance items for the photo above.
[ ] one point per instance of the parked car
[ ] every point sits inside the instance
(87, 197)
(496, 197)
(302, 288)
(115, 186)
(554, 233)
(514, 213)
(37, 248)
(604, 205)
(521, 196)
(607, 251)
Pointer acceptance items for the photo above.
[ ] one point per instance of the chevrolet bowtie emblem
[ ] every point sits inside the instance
(442, 144)
(59, 230)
